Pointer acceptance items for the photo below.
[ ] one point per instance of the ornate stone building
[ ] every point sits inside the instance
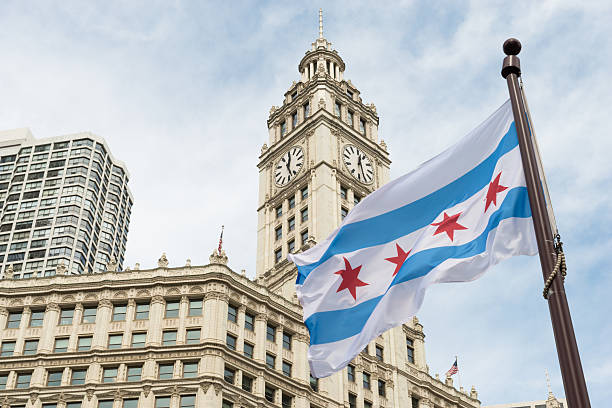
(206, 336)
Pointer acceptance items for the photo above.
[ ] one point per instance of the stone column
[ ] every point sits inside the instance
(47, 335)
(38, 376)
(156, 317)
(260, 337)
(300, 353)
(210, 395)
(183, 312)
(332, 71)
(311, 65)
(3, 316)
(337, 76)
(279, 348)
(103, 317)
(74, 333)
(66, 376)
(94, 373)
(130, 313)
(240, 341)
(23, 324)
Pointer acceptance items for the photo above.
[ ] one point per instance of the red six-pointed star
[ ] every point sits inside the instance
(399, 259)
(494, 188)
(448, 225)
(350, 278)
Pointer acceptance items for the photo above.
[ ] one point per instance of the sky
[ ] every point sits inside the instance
(181, 91)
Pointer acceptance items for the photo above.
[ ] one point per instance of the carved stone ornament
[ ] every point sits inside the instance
(8, 272)
(136, 266)
(473, 393)
(321, 103)
(217, 388)
(61, 268)
(162, 262)
(218, 258)
(273, 109)
(146, 389)
(111, 266)
(6, 403)
(205, 386)
(264, 148)
(188, 263)
(383, 145)
(33, 397)
(89, 392)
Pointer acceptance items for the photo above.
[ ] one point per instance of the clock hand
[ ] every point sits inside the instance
(289, 163)
(360, 165)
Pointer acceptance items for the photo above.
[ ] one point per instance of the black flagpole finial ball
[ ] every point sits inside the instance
(512, 46)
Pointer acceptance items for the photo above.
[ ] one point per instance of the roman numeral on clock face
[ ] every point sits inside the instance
(358, 164)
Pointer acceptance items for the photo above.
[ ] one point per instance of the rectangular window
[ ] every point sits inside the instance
(188, 401)
(292, 202)
(14, 320)
(286, 401)
(314, 383)
(382, 388)
(291, 223)
(73, 404)
(410, 350)
(190, 370)
(169, 338)
(232, 313)
(54, 379)
(271, 361)
(367, 404)
(84, 343)
(269, 393)
(134, 373)
(23, 380)
(162, 402)
(304, 214)
(36, 319)
(249, 321)
(248, 350)
(287, 369)
(283, 128)
(278, 232)
(306, 108)
(166, 371)
(119, 312)
(30, 347)
(304, 236)
(195, 307)
(352, 400)
(286, 341)
(226, 404)
(366, 381)
(349, 118)
(247, 383)
(294, 120)
(343, 213)
(193, 336)
(350, 371)
(415, 402)
(138, 339)
(172, 309)
(66, 316)
(379, 353)
(271, 333)
(362, 126)
(142, 311)
(291, 246)
(337, 109)
(229, 375)
(230, 341)
(304, 193)
(3, 381)
(279, 211)
(78, 376)
(115, 340)
(130, 403)
(343, 192)
(61, 345)
(109, 374)
(356, 199)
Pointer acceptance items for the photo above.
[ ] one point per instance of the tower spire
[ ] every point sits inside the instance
(321, 23)
(548, 383)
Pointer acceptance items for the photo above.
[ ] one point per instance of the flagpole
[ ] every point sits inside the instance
(458, 371)
(565, 339)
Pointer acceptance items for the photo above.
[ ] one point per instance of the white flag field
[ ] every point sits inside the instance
(447, 221)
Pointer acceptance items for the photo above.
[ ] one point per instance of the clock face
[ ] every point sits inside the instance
(358, 164)
(288, 166)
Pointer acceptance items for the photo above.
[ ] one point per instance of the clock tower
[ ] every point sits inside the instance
(323, 156)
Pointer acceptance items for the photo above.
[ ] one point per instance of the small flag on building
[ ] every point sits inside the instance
(221, 240)
(453, 370)
(447, 221)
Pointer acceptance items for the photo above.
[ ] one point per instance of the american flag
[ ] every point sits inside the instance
(221, 239)
(453, 370)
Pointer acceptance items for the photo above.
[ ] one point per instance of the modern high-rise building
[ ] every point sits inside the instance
(206, 336)
(65, 205)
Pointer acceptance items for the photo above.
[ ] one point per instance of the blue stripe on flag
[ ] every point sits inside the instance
(411, 217)
(335, 325)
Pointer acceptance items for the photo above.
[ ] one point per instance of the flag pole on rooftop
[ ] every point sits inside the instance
(565, 339)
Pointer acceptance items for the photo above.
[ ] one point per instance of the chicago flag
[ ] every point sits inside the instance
(447, 221)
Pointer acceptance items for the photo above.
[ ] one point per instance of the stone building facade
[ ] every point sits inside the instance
(190, 336)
